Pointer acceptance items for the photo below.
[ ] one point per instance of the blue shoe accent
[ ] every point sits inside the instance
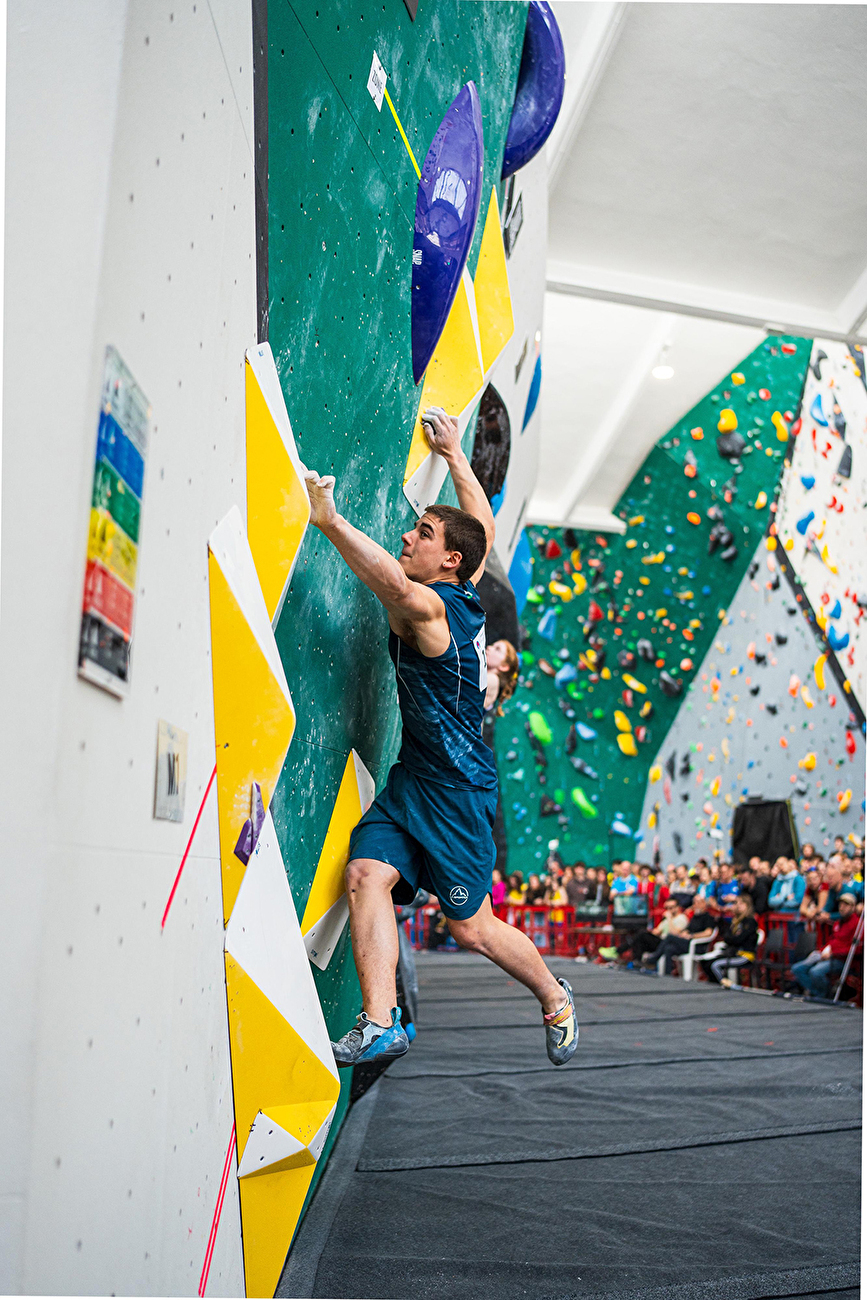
(367, 1041)
(410, 1032)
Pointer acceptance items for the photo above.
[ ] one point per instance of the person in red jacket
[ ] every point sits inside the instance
(813, 973)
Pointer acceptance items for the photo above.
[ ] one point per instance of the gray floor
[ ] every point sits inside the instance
(702, 1145)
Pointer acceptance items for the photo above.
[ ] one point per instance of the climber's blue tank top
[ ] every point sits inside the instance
(442, 699)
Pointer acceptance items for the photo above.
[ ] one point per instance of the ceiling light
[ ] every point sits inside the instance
(663, 372)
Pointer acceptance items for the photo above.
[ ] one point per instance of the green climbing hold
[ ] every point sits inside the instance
(527, 659)
(534, 598)
(559, 796)
(539, 728)
(572, 689)
(599, 713)
(584, 805)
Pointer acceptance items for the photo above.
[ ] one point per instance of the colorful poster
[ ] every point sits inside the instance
(115, 519)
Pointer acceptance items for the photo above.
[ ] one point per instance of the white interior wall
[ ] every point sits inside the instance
(129, 221)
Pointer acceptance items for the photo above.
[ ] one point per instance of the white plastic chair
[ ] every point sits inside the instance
(689, 960)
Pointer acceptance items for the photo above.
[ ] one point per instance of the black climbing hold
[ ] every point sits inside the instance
(669, 685)
(645, 650)
(753, 569)
(781, 638)
(730, 445)
(685, 765)
(816, 364)
(772, 709)
(678, 842)
(844, 469)
(754, 690)
(570, 538)
(571, 740)
(584, 768)
(729, 554)
(626, 658)
(547, 806)
(669, 764)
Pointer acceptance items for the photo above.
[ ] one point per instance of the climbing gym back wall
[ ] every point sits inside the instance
(627, 635)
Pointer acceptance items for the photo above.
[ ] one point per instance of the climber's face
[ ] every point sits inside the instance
(424, 557)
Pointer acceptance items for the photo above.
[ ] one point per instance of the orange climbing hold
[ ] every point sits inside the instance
(693, 518)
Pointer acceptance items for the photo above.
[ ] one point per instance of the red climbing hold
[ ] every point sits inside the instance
(796, 428)
(552, 550)
(788, 349)
(594, 613)
(765, 394)
(851, 747)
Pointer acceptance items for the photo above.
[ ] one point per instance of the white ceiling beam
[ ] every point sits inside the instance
(586, 61)
(700, 301)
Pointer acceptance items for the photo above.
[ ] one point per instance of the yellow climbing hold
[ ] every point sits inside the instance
(738, 378)
(646, 709)
(789, 543)
(653, 559)
(605, 674)
(626, 742)
(579, 582)
(715, 786)
(807, 697)
(560, 590)
(808, 762)
(727, 420)
(819, 671)
(771, 543)
(636, 519)
(844, 798)
(660, 613)
(621, 721)
(651, 820)
(634, 684)
(631, 544)
(761, 500)
(575, 557)
(655, 774)
(781, 427)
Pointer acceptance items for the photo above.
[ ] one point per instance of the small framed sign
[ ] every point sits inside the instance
(108, 606)
(170, 789)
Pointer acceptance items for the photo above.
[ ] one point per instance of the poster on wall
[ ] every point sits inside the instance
(113, 538)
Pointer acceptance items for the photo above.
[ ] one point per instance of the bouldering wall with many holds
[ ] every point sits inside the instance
(822, 523)
(618, 625)
(762, 717)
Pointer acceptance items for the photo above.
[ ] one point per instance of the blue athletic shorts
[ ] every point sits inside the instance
(437, 836)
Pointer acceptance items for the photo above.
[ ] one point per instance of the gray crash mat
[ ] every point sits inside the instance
(703, 1144)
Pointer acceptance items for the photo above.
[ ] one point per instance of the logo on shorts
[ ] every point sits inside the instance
(458, 895)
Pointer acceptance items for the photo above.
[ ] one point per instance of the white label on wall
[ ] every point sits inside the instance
(171, 777)
(376, 82)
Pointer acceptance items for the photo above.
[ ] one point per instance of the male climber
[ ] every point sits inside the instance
(431, 825)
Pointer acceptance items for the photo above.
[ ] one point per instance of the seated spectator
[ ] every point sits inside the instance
(516, 888)
(597, 887)
(847, 878)
(682, 931)
(829, 894)
(498, 889)
(757, 887)
(810, 902)
(727, 889)
(647, 941)
(841, 848)
(684, 888)
(535, 892)
(707, 886)
(788, 888)
(624, 882)
(575, 884)
(813, 973)
(740, 938)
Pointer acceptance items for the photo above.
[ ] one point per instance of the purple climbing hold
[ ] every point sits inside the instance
(446, 209)
(252, 827)
(539, 93)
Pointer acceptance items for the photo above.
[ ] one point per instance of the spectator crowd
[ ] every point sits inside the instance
(714, 913)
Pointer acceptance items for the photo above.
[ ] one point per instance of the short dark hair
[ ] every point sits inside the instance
(464, 533)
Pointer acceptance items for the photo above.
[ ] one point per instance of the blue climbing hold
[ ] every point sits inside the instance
(539, 93)
(619, 827)
(804, 522)
(585, 732)
(816, 411)
(567, 673)
(446, 209)
(521, 572)
(836, 641)
(533, 395)
(836, 611)
(808, 481)
(548, 625)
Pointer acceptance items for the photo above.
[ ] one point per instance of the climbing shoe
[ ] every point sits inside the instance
(368, 1041)
(561, 1030)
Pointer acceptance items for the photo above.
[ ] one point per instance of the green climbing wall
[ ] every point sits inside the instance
(657, 582)
(341, 204)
